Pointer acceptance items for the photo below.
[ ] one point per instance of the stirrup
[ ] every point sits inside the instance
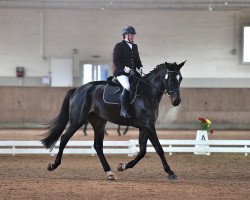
(125, 114)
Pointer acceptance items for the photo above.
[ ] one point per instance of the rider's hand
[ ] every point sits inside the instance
(127, 69)
(139, 70)
(132, 72)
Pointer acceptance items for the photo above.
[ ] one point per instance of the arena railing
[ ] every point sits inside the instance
(130, 147)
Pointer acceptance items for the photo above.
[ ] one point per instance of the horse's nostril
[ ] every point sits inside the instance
(175, 103)
(176, 100)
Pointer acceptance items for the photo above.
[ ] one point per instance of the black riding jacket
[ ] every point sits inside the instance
(123, 56)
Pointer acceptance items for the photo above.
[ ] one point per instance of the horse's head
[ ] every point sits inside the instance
(173, 80)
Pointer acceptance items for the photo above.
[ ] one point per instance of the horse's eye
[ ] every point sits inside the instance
(166, 76)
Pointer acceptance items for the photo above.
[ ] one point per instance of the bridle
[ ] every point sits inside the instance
(172, 93)
(166, 89)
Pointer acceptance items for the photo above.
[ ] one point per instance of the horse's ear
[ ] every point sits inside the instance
(181, 64)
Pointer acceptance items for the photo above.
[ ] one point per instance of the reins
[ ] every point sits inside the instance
(142, 80)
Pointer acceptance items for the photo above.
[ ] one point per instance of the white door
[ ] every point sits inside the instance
(61, 72)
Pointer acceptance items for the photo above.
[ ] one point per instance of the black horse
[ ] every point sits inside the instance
(86, 104)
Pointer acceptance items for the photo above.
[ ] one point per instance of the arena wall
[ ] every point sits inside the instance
(227, 108)
(210, 41)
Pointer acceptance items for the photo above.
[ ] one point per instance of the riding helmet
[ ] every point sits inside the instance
(127, 30)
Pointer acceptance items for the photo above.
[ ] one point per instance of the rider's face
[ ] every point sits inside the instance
(131, 37)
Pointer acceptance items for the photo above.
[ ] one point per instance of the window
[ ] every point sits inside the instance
(246, 44)
(91, 72)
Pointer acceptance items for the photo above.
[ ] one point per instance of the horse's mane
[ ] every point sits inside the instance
(156, 69)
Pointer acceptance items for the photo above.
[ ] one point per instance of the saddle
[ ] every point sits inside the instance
(113, 89)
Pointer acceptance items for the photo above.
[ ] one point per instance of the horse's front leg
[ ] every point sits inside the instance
(143, 138)
(159, 150)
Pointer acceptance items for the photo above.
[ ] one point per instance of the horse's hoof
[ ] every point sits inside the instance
(121, 167)
(111, 176)
(172, 177)
(50, 167)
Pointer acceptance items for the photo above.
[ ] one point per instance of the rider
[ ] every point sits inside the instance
(126, 60)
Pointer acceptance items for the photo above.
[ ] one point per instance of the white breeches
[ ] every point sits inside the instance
(124, 81)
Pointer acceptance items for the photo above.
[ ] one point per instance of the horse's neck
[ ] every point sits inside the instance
(156, 81)
(154, 91)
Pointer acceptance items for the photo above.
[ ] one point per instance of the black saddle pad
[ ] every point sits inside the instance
(112, 93)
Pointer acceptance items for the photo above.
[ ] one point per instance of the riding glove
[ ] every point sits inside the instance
(139, 71)
(127, 69)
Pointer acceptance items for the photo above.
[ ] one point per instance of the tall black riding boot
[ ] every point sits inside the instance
(124, 104)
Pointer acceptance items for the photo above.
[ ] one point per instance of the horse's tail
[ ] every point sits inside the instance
(57, 125)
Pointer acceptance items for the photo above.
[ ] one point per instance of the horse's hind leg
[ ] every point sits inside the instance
(64, 140)
(85, 128)
(126, 130)
(98, 125)
(118, 130)
(143, 138)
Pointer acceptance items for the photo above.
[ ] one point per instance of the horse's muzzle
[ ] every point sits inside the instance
(176, 99)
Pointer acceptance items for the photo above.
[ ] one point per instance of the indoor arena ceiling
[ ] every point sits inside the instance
(129, 4)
